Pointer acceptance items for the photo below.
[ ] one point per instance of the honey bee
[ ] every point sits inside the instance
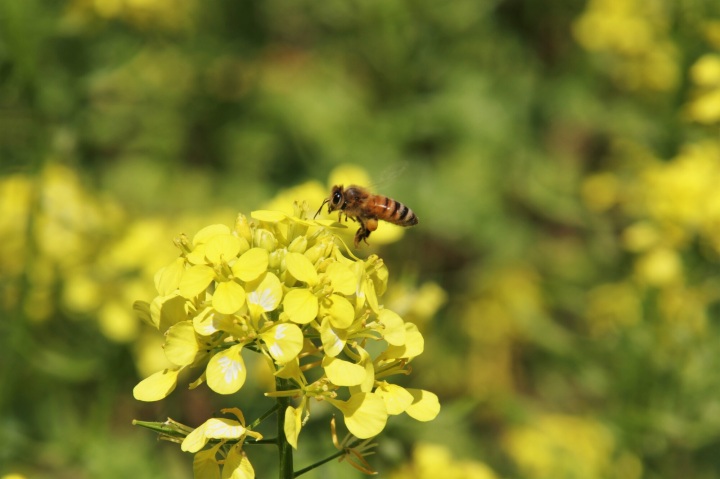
(358, 204)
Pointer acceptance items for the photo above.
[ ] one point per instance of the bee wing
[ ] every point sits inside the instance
(388, 175)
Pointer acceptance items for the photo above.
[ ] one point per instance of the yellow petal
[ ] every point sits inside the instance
(205, 464)
(365, 414)
(425, 406)
(340, 310)
(292, 425)
(268, 216)
(166, 311)
(301, 268)
(380, 274)
(394, 331)
(181, 346)
(342, 278)
(195, 280)
(229, 297)
(343, 373)
(397, 399)
(204, 235)
(222, 248)
(157, 386)
(333, 340)
(223, 428)
(251, 264)
(226, 371)
(284, 341)
(414, 344)
(265, 293)
(365, 361)
(213, 428)
(368, 291)
(237, 465)
(195, 441)
(300, 305)
(142, 311)
(168, 278)
(197, 255)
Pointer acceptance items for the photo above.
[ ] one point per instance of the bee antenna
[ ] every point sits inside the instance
(321, 207)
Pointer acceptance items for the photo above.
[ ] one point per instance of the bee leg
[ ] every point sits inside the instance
(361, 235)
(366, 227)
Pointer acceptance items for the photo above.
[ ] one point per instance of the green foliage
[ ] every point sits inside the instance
(562, 159)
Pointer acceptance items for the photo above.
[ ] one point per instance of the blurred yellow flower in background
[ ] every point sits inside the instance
(430, 461)
(565, 447)
(633, 37)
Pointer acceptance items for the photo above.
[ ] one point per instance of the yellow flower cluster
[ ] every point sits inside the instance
(670, 207)
(431, 461)
(632, 36)
(52, 230)
(281, 286)
(556, 445)
(150, 14)
(704, 107)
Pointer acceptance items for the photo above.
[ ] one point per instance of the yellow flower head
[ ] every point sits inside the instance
(287, 287)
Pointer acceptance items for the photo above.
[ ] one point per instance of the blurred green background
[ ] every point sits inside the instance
(563, 158)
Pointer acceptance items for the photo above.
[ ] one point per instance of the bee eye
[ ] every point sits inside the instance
(337, 198)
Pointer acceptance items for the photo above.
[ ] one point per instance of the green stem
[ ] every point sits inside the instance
(267, 414)
(284, 447)
(309, 468)
(319, 463)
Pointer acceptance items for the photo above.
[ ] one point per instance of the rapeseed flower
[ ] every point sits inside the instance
(288, 288)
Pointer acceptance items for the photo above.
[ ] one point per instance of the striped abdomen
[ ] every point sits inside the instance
(390, 210)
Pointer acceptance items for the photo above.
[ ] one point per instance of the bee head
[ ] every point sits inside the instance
(335, 200)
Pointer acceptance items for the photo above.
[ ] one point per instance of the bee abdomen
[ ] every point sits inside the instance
(398, 213)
